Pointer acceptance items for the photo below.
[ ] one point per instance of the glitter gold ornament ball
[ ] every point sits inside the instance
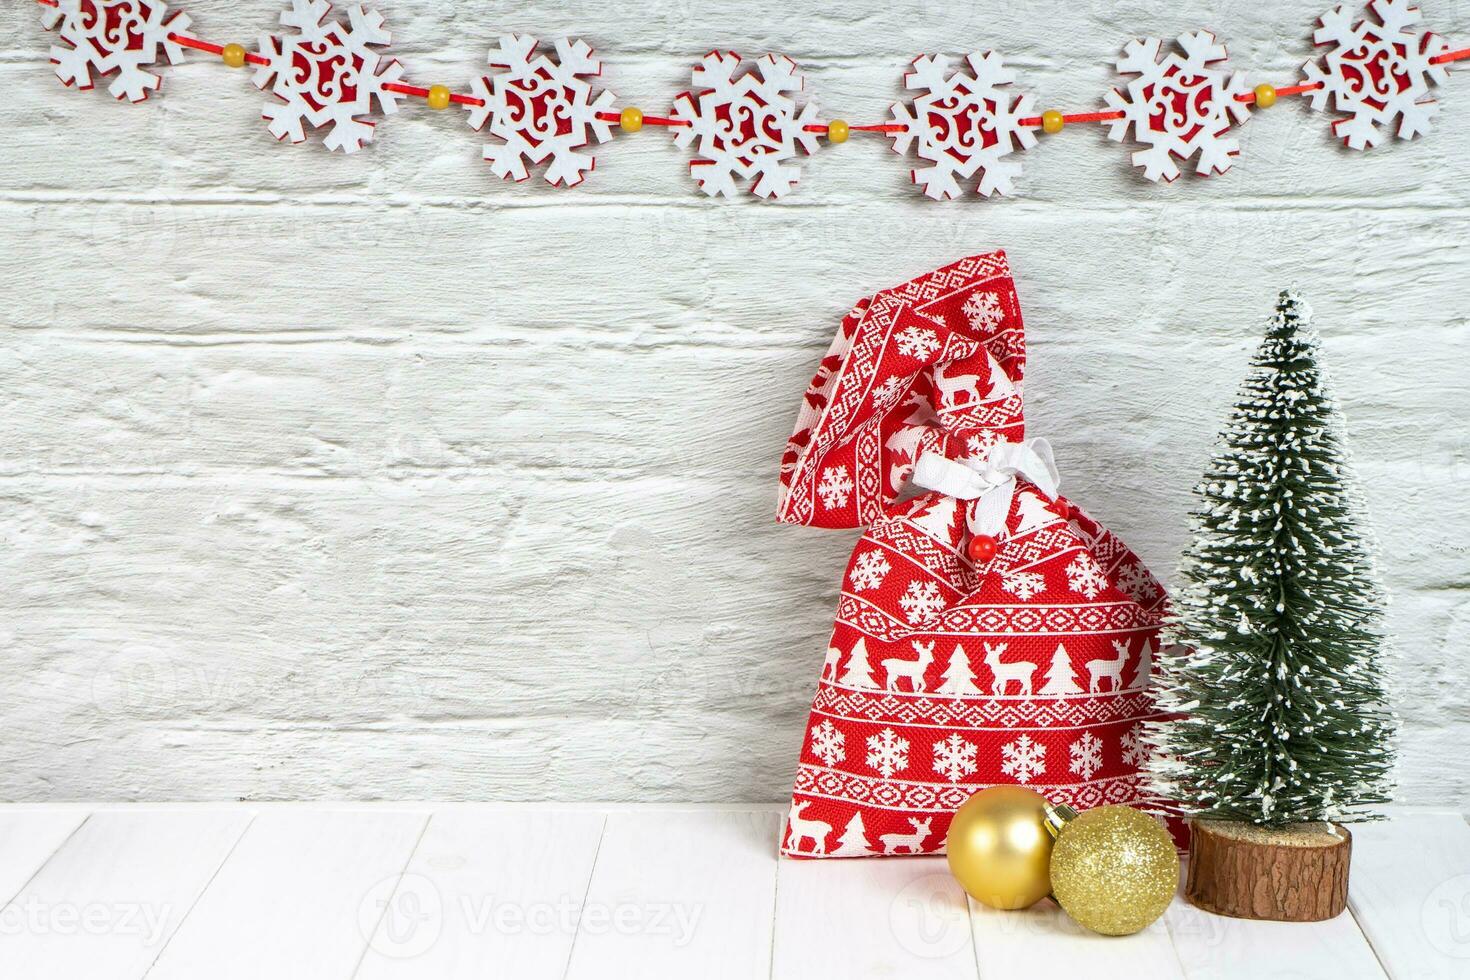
(998, 847)
(1114, 870)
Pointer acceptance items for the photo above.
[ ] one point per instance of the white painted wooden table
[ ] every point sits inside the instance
(318, 891)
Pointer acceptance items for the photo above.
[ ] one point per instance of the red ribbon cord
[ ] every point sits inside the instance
(617, 117)
(422, 92)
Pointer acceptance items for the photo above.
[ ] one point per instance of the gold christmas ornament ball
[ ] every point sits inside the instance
(999, 848)
(1114, 870)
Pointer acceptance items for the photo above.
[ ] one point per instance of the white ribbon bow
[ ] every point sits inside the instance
(990, 480)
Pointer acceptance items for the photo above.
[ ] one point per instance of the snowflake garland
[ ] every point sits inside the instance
(743, 120)
(963, 124)
(746, 124)
(1178, 105)
(124, 36)
(327, 74)
(538, 108)
(1378, 72)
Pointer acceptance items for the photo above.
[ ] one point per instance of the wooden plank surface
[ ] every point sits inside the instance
(871, 918)
(1043, 941)
(680, 895)
(27, 838)
(299, 898)
(105, 904)
(487, 894)
(1215, 947)
(1410, 892)
(390, 893)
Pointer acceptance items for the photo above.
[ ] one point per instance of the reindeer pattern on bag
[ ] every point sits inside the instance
(944, 675)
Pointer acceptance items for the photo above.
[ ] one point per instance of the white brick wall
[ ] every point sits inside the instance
(374, 477)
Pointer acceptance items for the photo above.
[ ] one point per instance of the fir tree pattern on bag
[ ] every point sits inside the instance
(946, 674)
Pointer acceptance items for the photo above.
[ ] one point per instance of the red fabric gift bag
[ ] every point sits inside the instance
(1023, 659)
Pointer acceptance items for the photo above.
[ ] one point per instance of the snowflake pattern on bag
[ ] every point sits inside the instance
(1179, 105)
(941, 676)
(123, 37)
(828, 744)
(954, 758)
(327, 74)
(1086, 755)
(1378, 72)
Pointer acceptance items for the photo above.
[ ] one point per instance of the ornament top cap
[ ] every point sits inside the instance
(1056, 817)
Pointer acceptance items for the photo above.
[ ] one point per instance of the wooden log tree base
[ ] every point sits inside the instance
(1297, 873)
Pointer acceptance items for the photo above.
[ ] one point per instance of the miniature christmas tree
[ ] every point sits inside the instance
(1278, 673)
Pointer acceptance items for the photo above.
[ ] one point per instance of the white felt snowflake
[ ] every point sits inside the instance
(327, 74)
(963, 124)
(1023, 759)
(921, 602)
(540, 107)
(746, 124)
(1135, 750)
(954, 758)
(1023, 585)
(1377, 72)
(1135, 580)
(1086, 576)
(124, 36)
(917, 342)
(835, 488)
(828, 743)
(1086, 755)
(983, 310)
(888, 753)
(868, 571)
(1179, 106)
